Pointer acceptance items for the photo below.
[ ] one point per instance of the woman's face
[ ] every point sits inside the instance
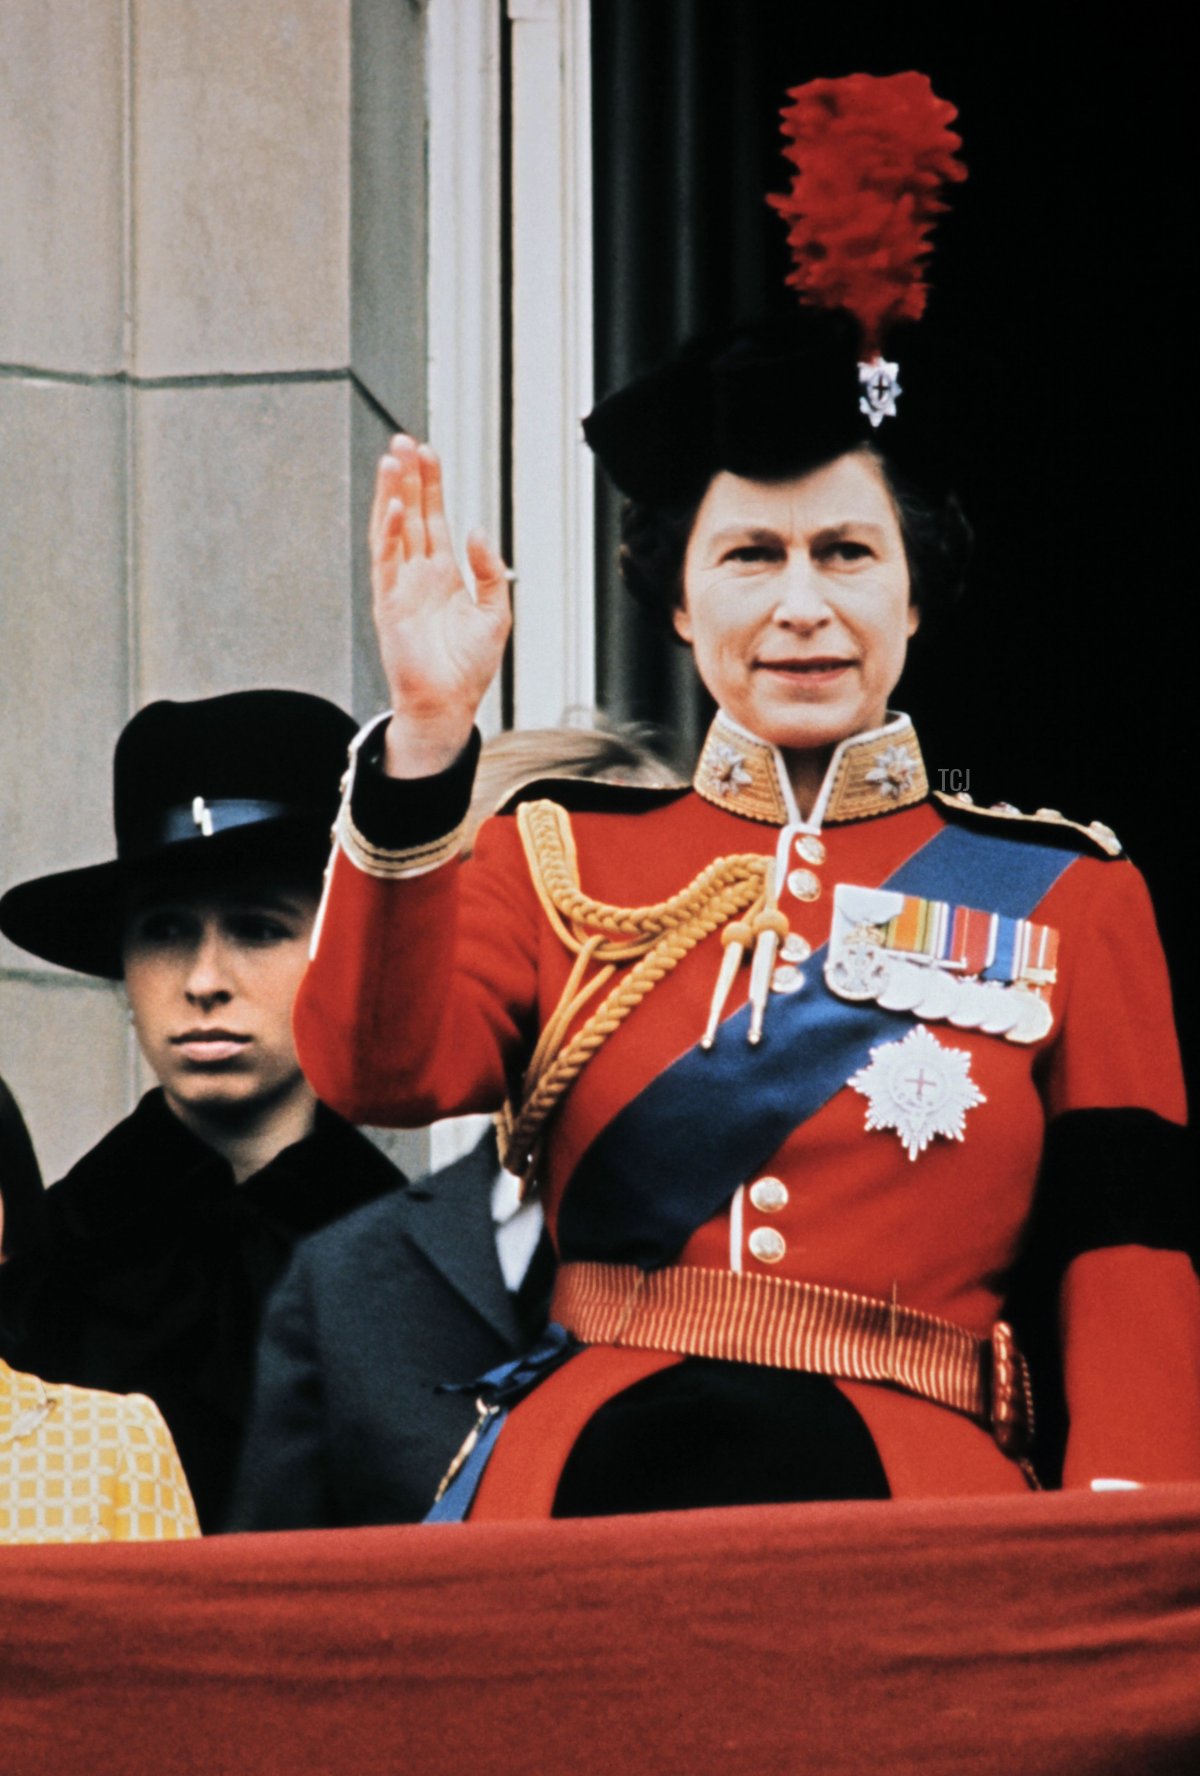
(210, 974)
(796, 601)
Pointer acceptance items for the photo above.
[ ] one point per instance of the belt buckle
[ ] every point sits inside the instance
(1011, 1406)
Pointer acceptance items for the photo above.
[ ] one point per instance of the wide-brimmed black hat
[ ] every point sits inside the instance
(210, 786)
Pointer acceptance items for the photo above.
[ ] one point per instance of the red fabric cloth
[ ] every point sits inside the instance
(1052, 1633)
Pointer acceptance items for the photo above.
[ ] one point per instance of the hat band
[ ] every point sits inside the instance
(202, 819)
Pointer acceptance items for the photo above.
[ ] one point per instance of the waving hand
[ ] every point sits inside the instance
(440, 647)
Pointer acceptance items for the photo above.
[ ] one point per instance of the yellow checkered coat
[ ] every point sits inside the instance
(79, 1465)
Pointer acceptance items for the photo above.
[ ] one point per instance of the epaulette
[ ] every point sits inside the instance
(593, 795)
(1045, 826)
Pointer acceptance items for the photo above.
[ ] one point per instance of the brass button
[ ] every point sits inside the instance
(795, 948)
(787, 979)
(804, 885)
(768, 1195)
(810, 848)
(767, 1244)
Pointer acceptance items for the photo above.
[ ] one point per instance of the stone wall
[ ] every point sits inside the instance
(212, 275)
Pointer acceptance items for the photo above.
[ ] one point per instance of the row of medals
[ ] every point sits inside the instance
(860, 968)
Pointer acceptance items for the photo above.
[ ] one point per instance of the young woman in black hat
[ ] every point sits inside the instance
(819, 1071)
(161, 1244)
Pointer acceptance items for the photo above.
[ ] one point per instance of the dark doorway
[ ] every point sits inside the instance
(1062, 678)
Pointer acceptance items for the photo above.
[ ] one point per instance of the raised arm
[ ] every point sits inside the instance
(418, 1000)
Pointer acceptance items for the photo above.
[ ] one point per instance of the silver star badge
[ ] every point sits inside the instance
(729, 769)
(919, 1088)
(894, 771)
(880, 388)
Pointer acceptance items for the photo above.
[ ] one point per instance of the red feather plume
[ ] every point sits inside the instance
(872, 156)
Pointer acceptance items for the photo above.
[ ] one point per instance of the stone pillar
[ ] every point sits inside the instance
(212, 274)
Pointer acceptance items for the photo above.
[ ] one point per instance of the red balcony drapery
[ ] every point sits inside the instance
(1054, 1633)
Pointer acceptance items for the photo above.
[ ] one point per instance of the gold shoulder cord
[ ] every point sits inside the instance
(654, 938)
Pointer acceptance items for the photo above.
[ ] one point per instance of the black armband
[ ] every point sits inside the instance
(1114, 1178)
(1108, 1178)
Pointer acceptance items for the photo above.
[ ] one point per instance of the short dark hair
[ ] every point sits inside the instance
(937, 545)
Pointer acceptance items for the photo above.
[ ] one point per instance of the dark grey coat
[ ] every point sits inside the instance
(347, 1425)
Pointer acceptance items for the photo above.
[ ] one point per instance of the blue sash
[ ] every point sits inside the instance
(499, 1391)
(673, 1157)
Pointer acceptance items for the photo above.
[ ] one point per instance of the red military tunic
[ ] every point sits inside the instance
(431, 979)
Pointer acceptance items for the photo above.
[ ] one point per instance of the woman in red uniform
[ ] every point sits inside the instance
(809, 1062)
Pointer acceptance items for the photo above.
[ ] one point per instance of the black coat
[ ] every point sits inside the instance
(348, 1426)
(154, 1268)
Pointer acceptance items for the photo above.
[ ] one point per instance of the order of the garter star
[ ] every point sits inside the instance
(919, 1088)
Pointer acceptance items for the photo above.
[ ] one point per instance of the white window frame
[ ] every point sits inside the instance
(553, 517)
(463, 289)
(554, 665)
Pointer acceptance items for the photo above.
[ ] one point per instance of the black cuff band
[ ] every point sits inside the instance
(397, 813)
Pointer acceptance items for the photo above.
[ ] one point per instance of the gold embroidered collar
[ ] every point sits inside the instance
(869, 774)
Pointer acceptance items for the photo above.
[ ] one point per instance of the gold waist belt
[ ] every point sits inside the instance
(785, 1324)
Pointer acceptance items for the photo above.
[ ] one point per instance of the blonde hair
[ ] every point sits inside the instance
(611, 754)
